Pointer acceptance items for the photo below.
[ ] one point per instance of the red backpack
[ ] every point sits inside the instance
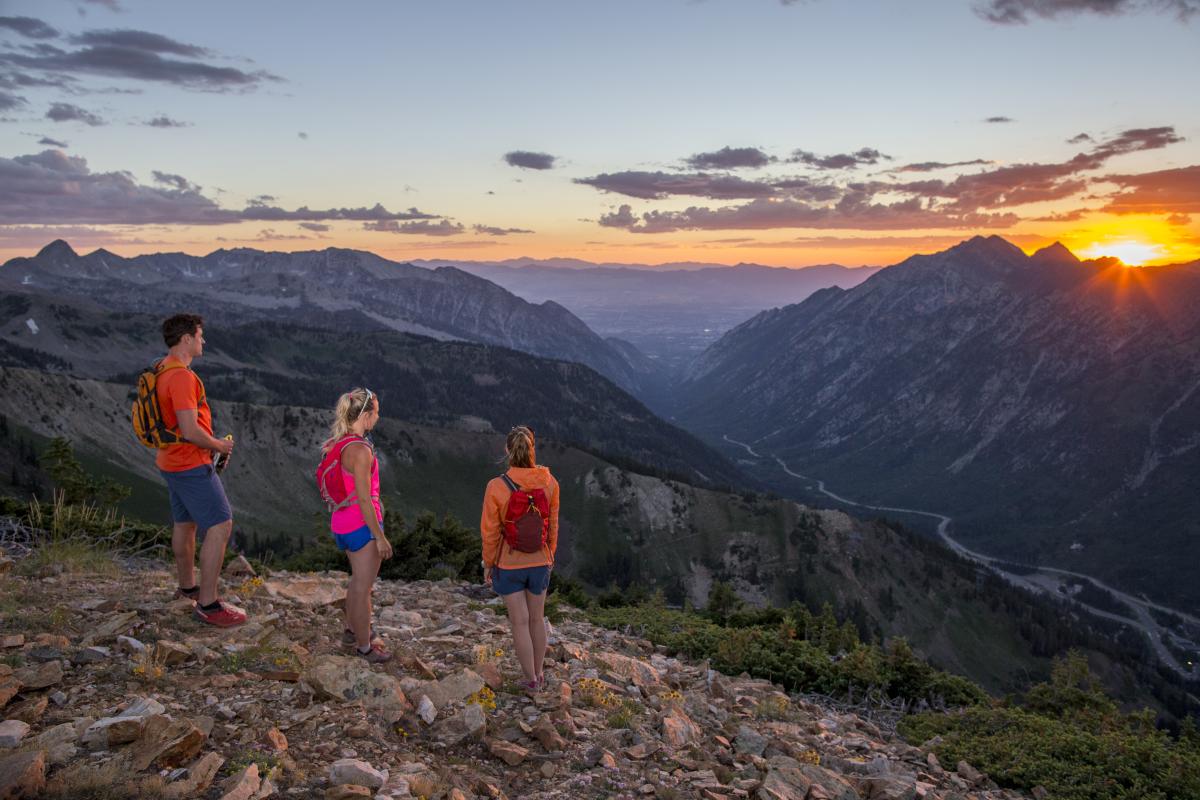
(329, 476)
(527, 518)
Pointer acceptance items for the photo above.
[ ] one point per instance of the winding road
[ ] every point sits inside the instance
(1144, 621)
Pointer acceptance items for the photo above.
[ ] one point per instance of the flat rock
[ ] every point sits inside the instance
(109, 629)
(355, 772)
(467, 724)
(678, 729)
(167, 743)
(451, 689)
(40, 676)
(347, 791)
(508, 752)
(22, 775)
(30, 710)
(749, 741)
(308, 591)
(639, 672)
(170, 653)
(59, 743)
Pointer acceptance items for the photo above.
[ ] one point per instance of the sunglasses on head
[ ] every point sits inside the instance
(366, 402)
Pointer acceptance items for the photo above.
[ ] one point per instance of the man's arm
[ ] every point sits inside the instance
(190, 429)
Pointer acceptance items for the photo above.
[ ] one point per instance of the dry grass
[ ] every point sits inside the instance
(107, 782)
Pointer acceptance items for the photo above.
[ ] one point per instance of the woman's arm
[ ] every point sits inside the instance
(358, 462)
(552, 534)
(489, 531)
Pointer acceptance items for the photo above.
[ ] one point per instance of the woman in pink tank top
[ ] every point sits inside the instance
(358, 526)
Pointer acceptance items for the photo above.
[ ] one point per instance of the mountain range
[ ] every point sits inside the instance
(1050, 405)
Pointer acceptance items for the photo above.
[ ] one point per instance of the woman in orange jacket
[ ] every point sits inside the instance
(517, 565)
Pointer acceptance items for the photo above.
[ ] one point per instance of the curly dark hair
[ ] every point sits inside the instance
(176, 327)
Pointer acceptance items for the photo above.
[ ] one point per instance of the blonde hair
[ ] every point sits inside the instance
(519, 447)
(350, 406)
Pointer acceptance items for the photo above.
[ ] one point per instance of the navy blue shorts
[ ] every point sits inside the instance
(197, 496)
(354, 540)
(535, 580)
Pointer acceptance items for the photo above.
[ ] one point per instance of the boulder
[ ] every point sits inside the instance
(30, 710)
(41, 676)
(355, 772)
(635, 670)
(678, 729)
(749, 742)
(508, 752)
(59, 743)
(352, 679)
(451, 689)
(167, 743)
(12, 731)
(238, 567)
(199, 777)
(242, 786)
(171, 654)
(308, 591)
(22, 775)
(467, 724)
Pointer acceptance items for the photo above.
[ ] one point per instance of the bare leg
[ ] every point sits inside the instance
(537, 630)
(364, 568)
(518, 620)
(212, 554)
(183, 542)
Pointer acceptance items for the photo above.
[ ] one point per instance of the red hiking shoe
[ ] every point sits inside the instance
(226, 616)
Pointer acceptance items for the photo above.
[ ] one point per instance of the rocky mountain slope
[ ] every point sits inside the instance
(104, 690)
(1049, 405)
(234, 286)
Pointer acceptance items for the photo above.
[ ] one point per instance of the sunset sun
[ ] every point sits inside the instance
(1130, 251)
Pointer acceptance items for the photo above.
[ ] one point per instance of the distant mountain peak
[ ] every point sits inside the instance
(987, 245)
(57, 249)
(1057, 252)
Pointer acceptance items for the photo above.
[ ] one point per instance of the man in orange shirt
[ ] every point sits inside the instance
(199, 507)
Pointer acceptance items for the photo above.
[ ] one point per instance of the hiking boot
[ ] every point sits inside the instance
(180, 594)
(226, 616)
(350, 640)
(376, 655)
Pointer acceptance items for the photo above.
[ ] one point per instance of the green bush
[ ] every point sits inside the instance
(1070, 739)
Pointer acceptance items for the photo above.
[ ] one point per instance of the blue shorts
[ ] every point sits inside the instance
(535, 580)
(354, 540)
(197, 496)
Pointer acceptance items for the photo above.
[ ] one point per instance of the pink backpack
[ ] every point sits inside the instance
(329, 475)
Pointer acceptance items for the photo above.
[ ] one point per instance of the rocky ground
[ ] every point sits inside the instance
(108, 682)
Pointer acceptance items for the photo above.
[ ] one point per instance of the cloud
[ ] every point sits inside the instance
(377, 213)
(730, 158)
(112, 5)
(166, 122)
(867, 155)
(529, 160)
(135, 55)
(1074, 215)
(1019, 12)
(999, 120)
(851, 212)
(34, 237)
(1179, 220)
(1168, 191)
(1079, 138)
(52, 187)
(66, 112)
(424, 227)
(319, 227)
(47, 141)
(10, 101)
(139, 40)
(657, 185)
(491, 230)
(302, 135)
(29, 27)
(932, 166)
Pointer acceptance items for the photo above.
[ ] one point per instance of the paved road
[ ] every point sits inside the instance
(1144, 621)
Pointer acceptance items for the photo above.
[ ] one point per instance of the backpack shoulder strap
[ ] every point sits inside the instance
(510, 483)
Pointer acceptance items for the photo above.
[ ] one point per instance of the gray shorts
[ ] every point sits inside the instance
(197, 496)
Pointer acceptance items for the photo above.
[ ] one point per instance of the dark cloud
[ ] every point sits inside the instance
(112, 5)
(998, 120)
(657, 185)
(1179, 220)
(134, 55)
(48, 142)
(10, 101)
(166, 122)
(1074, 215)
(319, 227)
(52, 187)
(933, 166)
(851, 212)
(29, 27)
(491, 230)
(377, 213)
(139, 40)
(440, 228)
(528, 160)
(67, 112)
(1019, 12)
(730, 158)
(1079, 138)
(1168, 191)
(302, 135)
(865, 156)
(175, 181)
